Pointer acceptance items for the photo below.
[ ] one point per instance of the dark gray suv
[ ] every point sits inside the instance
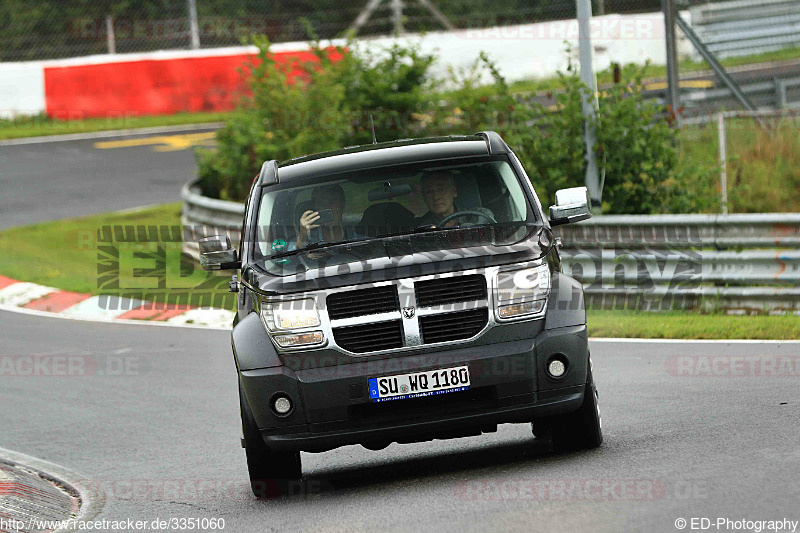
(403, 292)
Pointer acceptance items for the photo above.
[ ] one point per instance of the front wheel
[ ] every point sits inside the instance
(580, 430)
(271, 473)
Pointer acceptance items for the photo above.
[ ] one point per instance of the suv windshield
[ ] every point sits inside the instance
(478, 199)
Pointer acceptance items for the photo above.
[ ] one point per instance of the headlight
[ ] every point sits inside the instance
(289, 314)
(521, 293)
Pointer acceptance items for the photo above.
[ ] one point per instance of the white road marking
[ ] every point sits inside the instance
(694, 341)
(109, 133)
(217, 318)
(124, 321)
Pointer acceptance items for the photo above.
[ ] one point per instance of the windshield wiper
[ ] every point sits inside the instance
(433, 227)
(319, 246)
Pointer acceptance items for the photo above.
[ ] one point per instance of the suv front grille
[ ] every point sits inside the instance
(370, 337)
(450, 290)
(360, 302)
(453, 326)
(369, 320)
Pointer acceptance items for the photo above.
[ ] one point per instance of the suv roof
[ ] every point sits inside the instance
(391, 153)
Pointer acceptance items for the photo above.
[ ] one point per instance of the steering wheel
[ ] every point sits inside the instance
(459, 214)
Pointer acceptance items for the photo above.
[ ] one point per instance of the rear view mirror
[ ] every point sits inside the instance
(572, 205)
(216, 253)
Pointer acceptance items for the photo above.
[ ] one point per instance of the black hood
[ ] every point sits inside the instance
(390, 258)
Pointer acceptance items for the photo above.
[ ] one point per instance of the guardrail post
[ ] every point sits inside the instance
(780, 94)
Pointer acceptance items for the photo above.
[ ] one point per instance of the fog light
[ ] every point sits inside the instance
(299, 339)
(520, 309)
(556, 368)
(282, 405)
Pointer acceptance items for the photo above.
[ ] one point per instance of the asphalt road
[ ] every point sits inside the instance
(48, 181)
(151, 414)
(162, 440)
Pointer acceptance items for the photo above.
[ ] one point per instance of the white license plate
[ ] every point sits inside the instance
(419, 384)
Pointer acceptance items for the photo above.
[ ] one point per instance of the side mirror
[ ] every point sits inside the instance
(216, 253)
(572, 205)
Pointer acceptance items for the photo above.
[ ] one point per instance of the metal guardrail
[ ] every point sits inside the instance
(744, 27)
(208, 216)
(657, 262)
(778, 93)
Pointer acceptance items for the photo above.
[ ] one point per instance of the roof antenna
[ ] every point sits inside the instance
(372, 125)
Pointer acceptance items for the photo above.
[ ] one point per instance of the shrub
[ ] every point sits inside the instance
(312, 105)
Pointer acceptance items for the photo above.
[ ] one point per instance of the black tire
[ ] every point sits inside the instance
(271, 473)
(580, 430)
(583, 429)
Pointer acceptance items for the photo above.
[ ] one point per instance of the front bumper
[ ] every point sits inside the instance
(332, 405)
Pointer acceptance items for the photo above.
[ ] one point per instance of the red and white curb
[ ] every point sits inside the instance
(31, 298)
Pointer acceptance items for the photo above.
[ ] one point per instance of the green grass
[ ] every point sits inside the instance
(41, 125)
(74, 255)
(66, 254)
(763, 167)
(687, 325)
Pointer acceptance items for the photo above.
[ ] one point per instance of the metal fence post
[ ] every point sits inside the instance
(589, 104)
(723, 162)
(397, 16)
(194, 27)
(110, 37)
(673, 81)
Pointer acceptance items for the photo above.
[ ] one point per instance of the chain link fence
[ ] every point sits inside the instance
(48, 29)
(757, 44)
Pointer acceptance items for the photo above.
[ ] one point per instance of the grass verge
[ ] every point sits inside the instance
(42, 125)
(133, 254)
(71, 255)
(761, 167)
(686, 325)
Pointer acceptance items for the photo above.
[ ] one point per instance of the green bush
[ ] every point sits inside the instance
(302, 107)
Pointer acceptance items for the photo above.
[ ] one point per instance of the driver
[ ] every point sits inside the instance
(439, 192)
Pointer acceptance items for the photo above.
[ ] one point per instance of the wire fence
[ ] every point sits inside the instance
(756, 44)
(47, 29)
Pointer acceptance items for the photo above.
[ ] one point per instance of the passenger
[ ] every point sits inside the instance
(324, 197)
